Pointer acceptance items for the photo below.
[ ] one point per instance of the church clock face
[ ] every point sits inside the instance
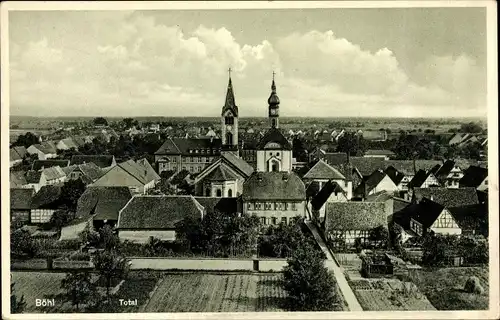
(229, 128)
(273, 112)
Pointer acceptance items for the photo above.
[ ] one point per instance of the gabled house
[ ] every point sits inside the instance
(20, 204)
(44, 203)
(138, 176)
(155, 216)
(87, 172)
(18, 179)
(66, 144)
(423, 179)
(274, 196)
(43, 164)
(472, 219)
(449, 174)
(427, 216)
(224, 177)
(377, 181)
(322, 172)
(53, 175)
(399, 178)
(475, 177)
(330, 192)
(103, 204)
(347, 221)
(449, 198)
(45, 150)
(102, 161)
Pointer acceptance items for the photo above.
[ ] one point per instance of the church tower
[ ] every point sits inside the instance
(274, 106)
(229, 121)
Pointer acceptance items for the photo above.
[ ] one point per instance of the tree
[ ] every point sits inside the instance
(100, 121)
(380, 233)
(111, 267)
(90, 237)
(351, 144)
(129, 123)
(26, 140)
(60, 218)
(17, 305)
(108, 238)
(309, 284)
(281, 240)
(22, 244)
(471, 127)
(79, 288)
(71, 191)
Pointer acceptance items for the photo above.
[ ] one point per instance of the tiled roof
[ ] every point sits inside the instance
(14, 156)
(368, 165)
(20, 150)
(70, 143)
(20, 198)
(150, 172)
(472, 217)
(399, 204)
(354, 215)
(89, 170)
(335, 158)
(47, 197)
(312, 189)
(220, 174)
(18, 179)
(157, 212)
(53, 173)
(239, 163)
(47, 147)
(473, 177)
(40, 164)
(445, 169)
(104, 202)
(406, 166)
(380, 196)
(448, 198)
(102, 161)
(394, 174)
(419, 179)
(322, 170)
(223, 205)
(184, 145)
(274, 186)
(322, 196)
(427, 212)
(370, 183)
(274, 135)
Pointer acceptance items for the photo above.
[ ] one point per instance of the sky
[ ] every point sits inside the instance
(396, 62)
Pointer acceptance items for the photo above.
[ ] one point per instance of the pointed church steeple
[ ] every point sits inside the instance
(230, 103)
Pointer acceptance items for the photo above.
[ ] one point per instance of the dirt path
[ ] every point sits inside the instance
(331, 263)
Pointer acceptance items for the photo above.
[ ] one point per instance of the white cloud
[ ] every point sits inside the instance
(150, 68)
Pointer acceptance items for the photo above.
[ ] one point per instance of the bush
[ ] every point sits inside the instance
(472, 285)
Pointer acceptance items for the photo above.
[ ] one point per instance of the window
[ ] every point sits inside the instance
(202, 150)
(294, 206)
(207, 192)
(285, 206)
(197, 151)
(271, 154)
(203, 159)
(229, 138)
(274, 220)
(278, 154)
(195, 159)
(174, 159)
(250, 206)
(283, 220)
(263, 220)
(229, 120)
(267, 206)
(190, 151)
(258, 206)
(230, 193)
(199, 168)
(219, 193)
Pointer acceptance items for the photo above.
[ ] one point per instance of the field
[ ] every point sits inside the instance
(39, 285)
(389, 295)
(217, 293)
(444, 288)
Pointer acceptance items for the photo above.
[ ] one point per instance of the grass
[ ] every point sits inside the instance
(217, 293)
(444, 288)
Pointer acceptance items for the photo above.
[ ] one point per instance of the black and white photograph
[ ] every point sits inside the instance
(267, 159)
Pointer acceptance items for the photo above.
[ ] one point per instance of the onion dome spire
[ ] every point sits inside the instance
(273, 98)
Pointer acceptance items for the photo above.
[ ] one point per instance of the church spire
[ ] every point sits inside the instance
(230, 103)
(274, 105)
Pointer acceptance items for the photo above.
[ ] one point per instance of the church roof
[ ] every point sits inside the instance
(230, 103)
(274, 135)
(220, 174)
(274, 186)
(238, 163)
(273, 98)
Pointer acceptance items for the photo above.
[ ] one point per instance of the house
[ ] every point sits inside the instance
(364, 167)
(449, 198)
(102, 204)
(102, 161)
(35, 180)
(44, 150)
(20, 204)
(87, 172)
(472, 219)
(410, 167)
(189, 154)
(224, 177)
(426, 216)
(376, 153)
(330, 192)
(449, 174)
(423, 179)
(274, 196)
(222, 205)
(155, 216)
(475, 177)
(44, 203)
(322, 172)
(377, 181)
(346, 221)
(66, 144)
(399, 178)
(138, 175)
(42, 164)
(21, 151)
(53, 175)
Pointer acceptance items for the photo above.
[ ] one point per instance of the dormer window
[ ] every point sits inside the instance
(190, 151)
(196, 151)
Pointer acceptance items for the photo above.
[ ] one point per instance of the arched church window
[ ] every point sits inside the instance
(219, 193)
(273, 122)
(229, 138)
(207, 192)
(230, 193)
